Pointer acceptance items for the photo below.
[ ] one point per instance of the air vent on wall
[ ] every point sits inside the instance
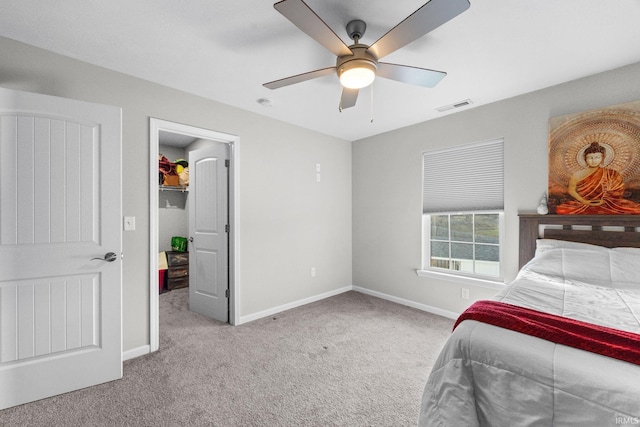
(456, 105)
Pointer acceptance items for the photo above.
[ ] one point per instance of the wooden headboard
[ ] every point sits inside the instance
(578, 228)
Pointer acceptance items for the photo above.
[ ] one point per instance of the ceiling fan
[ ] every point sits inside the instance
(358, 65)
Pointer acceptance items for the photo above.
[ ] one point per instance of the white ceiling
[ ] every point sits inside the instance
(225, 50)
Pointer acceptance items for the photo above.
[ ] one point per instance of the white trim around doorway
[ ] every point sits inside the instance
(155, 126)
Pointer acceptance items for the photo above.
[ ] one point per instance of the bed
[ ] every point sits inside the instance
(578, 279)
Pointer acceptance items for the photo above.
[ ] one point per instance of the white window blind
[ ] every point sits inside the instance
(464, 178)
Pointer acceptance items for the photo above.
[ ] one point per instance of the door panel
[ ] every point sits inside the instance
(207, 273)
(43, 317)
(60, 192)
(208, 217)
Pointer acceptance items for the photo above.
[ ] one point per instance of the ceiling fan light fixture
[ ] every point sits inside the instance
(357, 65)
(357, 73)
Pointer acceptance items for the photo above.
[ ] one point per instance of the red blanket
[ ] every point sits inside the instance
(610, 342)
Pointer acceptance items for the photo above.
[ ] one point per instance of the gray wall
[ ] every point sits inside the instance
(387, 187)
(288, 222)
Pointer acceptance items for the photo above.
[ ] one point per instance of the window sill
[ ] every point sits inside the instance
(472, 281)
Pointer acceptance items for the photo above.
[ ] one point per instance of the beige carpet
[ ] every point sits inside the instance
(349, 360)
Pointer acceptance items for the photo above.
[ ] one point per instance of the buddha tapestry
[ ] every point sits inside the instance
(594, 162)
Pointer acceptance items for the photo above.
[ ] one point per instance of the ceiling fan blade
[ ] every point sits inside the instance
(348, 98)
(299, 78)
(429, 17)
(303, 17)
(411, 75)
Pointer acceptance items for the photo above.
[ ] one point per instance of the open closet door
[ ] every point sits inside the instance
(60, 246)
(208, 231)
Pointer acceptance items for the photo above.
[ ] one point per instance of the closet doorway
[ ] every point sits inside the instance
(204, 212)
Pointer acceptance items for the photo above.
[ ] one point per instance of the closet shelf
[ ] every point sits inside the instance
(173, 188)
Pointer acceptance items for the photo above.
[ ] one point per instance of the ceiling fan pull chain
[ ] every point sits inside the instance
(371, 103)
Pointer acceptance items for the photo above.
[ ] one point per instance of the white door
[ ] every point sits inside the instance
(60, 206)
(208, 222)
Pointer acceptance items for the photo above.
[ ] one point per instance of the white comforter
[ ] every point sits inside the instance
(489, 376)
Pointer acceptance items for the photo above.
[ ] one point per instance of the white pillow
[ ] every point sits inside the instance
(589, 263)
(632, 251)
(543, 245)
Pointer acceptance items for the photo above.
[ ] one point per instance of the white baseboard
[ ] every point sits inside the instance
(402, 301)
(136, 352)
(294, 304)
(408, 303)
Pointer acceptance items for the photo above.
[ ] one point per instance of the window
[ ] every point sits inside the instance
(465, 242)
(463, 202)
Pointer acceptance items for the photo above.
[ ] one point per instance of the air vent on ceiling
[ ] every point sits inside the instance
(456, 105)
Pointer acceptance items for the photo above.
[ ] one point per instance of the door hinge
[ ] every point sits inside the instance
(226, 293)
(227, 228)
(227, 162)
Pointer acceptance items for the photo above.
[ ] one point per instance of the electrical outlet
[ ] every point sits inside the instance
(464, 293)
(313, 272)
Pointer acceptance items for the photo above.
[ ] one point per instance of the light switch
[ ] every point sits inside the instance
(129, 223)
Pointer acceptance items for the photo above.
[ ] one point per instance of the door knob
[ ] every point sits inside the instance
(109, 257)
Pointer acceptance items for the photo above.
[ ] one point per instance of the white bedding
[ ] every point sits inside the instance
(490, 376)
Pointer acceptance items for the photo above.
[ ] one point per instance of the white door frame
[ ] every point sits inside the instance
(155, 126)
